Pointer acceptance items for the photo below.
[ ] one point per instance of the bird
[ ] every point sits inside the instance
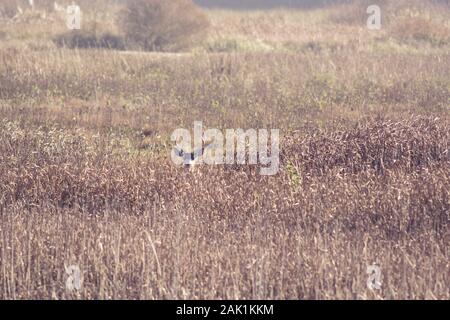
(189, 158)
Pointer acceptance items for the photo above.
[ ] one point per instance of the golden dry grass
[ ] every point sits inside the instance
(86, 178)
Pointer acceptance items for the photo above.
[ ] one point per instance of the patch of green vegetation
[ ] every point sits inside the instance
(237, 45)
(293, 174)
(312, 46)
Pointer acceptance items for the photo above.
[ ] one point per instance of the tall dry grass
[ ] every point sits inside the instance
(86, 178)
(345, 198)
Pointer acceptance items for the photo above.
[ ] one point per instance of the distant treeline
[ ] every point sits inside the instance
(263, 4)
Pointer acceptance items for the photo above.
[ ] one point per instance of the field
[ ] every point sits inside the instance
(86, 177)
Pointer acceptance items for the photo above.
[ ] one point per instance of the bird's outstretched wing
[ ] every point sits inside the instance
(190, 157)
(197, 153)
(179, 152)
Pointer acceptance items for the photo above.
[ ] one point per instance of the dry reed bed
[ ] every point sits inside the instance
(68, 169)
(198, 258)
(82, 183)
(344, 199)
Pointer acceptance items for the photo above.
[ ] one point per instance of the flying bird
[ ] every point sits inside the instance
(189, 158)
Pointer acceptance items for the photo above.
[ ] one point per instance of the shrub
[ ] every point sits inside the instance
(349, 13)
(161, 25)
(422, 30)
(8, 8)
(89, 39)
